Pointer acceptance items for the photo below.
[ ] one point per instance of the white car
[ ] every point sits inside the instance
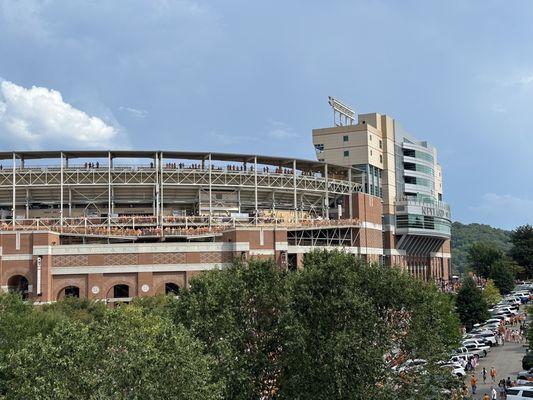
(477, 352)
(519, 393)
(460, 359)
(506, 309)
(474, 348)
(477, 342)
(487, 336)
(455, 369)
(410, 364)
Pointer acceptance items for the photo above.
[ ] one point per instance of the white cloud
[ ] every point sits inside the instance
(134, 111)
(280, 130)
(38, 118)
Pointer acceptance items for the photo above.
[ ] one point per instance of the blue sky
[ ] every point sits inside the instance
(250, 76)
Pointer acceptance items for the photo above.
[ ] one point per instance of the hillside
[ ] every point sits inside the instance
(464, 235)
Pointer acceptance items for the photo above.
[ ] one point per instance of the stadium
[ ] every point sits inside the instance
(112, 225)
(100, 221)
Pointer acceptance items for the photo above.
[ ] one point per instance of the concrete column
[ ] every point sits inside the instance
(295, 200)
(14, 190)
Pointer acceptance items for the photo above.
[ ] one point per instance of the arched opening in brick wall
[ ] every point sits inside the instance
(172, 289)
(69, 291)
(19, 284)
(120, 291)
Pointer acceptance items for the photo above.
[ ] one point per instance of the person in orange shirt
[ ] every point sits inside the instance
(473, 383)
(486, 397)
(493, 374)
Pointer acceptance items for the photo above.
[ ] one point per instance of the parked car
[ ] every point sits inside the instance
(506, 309)
(455, 369)
(460, 359)
(463, 350)
(473, 348)
(409, 365)
(519, 393)
(479, 343)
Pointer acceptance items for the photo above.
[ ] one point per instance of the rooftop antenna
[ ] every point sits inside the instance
(346, 116)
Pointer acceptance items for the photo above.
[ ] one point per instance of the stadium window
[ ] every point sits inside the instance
(380, 144)
(346, 153)
(381, 158)
(345, 138)
(370, 136)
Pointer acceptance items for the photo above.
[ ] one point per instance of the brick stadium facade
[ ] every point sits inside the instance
(80, 223)
(40, 264)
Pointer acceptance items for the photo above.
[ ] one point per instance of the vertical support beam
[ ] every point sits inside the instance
(350, 196)
(14, 190)
(326, 199)
(255, 188)
(295, 198)
(210, 197)
(27, 203)
(156, 188)
(69, 202)
(61, 194)
(109, 160)
(160, 156)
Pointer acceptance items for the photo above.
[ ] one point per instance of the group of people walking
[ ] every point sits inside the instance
(497, 391)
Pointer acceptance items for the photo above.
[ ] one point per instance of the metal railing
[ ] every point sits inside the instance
(149, 226)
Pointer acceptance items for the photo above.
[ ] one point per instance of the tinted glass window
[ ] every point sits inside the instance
(512, 391)
(527, 393)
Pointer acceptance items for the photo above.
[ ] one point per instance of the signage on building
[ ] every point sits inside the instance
(434, 212)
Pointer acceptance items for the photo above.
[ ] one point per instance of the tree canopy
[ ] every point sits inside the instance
(491, 293)
(333, 330)
(464, 235)
(470, 303)
(522, 248)
(502, 275)
(481, 257)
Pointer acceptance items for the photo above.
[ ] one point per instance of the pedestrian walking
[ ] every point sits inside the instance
(501, 387)
(486, 397)
(508, 382)
(484, 374)
(493, 393)
(493, 374)
(473, 383)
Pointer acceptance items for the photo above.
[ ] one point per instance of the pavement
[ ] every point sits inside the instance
(506, 359)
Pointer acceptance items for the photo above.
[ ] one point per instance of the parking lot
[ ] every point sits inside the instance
(506, 359)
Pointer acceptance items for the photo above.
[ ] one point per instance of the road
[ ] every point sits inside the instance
(506, 359)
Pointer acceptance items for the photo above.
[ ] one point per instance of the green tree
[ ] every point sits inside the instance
(19, 320)
(481, 256)
(470, 304)
(491, 293)
(347, 321)
(126, 355)
(502, 275)
(522, 248)
(236, 312)
(464, 235)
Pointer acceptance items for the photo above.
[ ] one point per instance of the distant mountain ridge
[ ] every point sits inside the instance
(464, 235)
